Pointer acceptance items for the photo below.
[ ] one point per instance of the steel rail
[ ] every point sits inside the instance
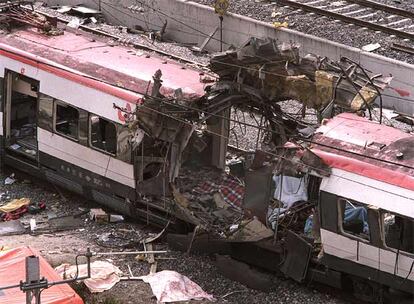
(347, 19)
(402, 48)
(384, 8)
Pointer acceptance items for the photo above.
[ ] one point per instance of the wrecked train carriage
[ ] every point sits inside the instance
(341, 210)
(372, 177)
(65, 110)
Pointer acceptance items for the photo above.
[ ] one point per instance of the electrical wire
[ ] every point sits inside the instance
(229, 64)
(266, 129)
(226, 63)
(224, 42)
(269, 130)
(278, 133)
(298, 162)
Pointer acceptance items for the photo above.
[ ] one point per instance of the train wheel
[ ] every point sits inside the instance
(367, 291)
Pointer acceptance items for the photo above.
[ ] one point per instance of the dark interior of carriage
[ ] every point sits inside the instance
(23, 108)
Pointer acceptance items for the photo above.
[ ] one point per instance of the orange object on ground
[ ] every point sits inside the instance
(13, 270)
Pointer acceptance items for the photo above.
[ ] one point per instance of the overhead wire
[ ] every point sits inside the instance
(213, 38)
(275, 155)
(226, 43)
(269, 130)
(283, 157)
(278, 133)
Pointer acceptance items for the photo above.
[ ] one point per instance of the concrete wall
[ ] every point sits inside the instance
(189, 22)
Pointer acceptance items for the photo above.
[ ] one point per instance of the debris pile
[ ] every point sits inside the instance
(13, 13)
(272, 72)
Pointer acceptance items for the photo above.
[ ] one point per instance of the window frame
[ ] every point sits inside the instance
(57, 102)
(384, 242)
(341, 220)
(90, 135)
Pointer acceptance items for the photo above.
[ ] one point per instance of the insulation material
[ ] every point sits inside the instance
(276, 72)
(170, 286)
(104, 275)
(365, 95)
(13, 270)
(324, 88)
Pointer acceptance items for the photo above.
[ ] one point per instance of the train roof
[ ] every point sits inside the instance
(86, 55)
(358, 145)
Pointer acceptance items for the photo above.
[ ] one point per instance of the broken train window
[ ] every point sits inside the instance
(102, 134)
(66, 120)
(398, 232)
(353, 218)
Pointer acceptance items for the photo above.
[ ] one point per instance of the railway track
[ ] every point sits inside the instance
(363, 13)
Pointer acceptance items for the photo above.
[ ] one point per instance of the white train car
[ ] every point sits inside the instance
(373, 178)
(57, 114)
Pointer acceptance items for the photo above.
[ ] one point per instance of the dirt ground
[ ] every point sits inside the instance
(62, 247)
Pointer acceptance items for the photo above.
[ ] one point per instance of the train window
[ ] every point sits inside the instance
(102, 134)
(67, 120)
(353, 218)
(399, 232)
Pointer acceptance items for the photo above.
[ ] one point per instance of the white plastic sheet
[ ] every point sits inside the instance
(104, 275)
(170, 286)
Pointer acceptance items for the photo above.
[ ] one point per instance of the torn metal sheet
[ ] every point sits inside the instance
(258, 191)
(297, 258)
(252, 231)
(11, 228)
(277, 72)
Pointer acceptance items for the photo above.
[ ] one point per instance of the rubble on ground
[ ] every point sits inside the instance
(62, 247)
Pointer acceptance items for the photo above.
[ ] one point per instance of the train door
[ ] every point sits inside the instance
(21, 117)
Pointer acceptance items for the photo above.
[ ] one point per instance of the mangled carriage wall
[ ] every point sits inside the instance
(188, 22)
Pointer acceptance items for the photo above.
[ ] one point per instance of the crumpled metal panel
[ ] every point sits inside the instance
(279, 73)
(258, 191)
(297, 257)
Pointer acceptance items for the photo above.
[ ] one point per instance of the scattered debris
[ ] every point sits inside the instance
(75, 23)
(371, 47)
(117, 239)
(98, 215)
(34, 209)
(21, 15)
(67, 222)
(252, 231)
(405, 119)
(116, 218)
(32, 224)
(10, 180)
(130, 252)
(278, 24)
(11, 228)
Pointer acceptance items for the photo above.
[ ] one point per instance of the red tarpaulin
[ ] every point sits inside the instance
(13, 270)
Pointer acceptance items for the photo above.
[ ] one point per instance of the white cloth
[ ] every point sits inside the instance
(104, 275)
(170, 286)
(290, 190)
